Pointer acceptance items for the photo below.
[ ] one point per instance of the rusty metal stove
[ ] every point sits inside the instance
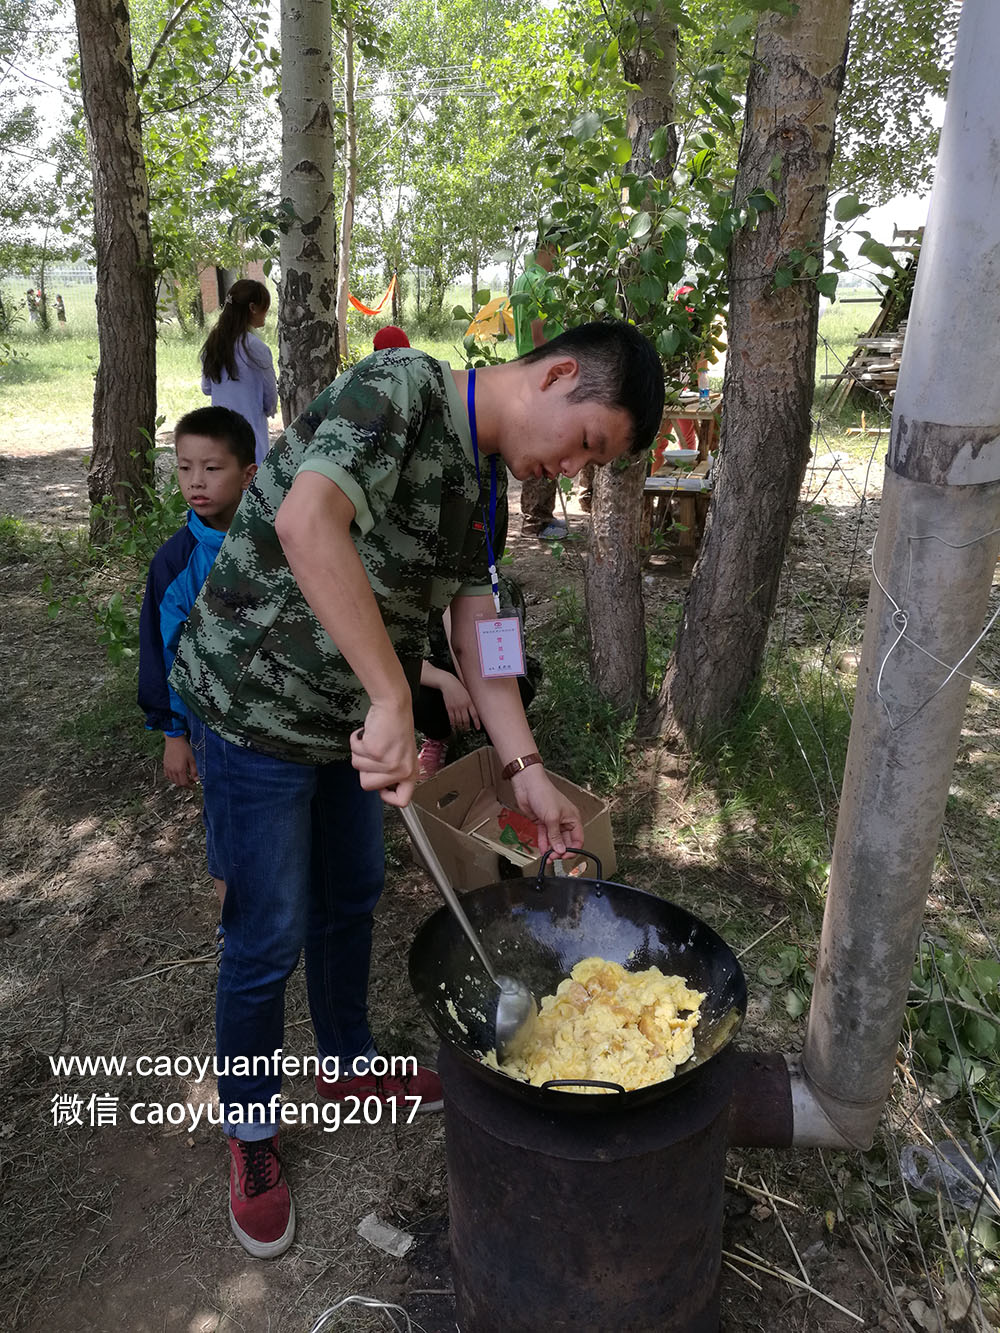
(605, 1222)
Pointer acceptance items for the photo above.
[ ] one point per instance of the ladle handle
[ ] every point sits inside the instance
(423, 845)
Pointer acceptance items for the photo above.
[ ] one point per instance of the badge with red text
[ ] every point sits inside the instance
(501, 648)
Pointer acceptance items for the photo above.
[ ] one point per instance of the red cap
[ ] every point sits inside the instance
(390, 336)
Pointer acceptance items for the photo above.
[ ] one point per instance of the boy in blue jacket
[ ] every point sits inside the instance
(215, 465)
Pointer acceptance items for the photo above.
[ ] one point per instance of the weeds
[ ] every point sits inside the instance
(782, 760)
(20, 542)
(579, 732)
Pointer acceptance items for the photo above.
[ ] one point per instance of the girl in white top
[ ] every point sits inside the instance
(237, 366)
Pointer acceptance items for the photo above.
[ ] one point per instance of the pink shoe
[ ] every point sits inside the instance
(431, 758)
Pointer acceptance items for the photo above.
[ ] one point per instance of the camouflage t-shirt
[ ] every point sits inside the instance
(254, 662)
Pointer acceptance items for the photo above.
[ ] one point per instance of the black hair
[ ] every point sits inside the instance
(223, 424)
(619, 367)
(219, 351)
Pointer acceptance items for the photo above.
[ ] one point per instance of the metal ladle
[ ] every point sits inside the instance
(516, 1007)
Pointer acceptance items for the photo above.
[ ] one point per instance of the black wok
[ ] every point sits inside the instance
(537, 930)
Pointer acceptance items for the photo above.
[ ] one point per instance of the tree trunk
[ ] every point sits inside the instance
(125, 388)
(613, 569)
(613, 585)
(435, 299)
(307, 330)
(475, 280)
(350, 182)
(796, 76)
(651, 103)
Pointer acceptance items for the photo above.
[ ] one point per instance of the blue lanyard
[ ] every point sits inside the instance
(490, 523)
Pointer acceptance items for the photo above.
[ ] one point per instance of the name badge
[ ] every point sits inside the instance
(501, 648)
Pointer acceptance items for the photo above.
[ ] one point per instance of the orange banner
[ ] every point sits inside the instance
(367, 310)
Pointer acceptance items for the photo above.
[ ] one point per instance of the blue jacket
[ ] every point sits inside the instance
(176, 574)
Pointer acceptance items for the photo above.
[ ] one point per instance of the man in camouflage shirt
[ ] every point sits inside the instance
(297, 663)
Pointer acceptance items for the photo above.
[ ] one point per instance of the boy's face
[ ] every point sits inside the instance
(212, 480)
(545, 435)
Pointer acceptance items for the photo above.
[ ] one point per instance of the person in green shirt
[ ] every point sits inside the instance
(380, 506)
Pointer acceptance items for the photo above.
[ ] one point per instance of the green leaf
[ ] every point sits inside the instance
(826, 283)
(674, 244)
(586, 125)
(795, 1004)
(701, 162)
(848, 206)
(640, 226)
(651, 288)
(667, 343)
(483, 296)
(659, 144)
(981, 1036)
(877, 252)
(783, 277)
(621, 152)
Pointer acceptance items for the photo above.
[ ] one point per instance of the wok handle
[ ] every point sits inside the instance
(580, 1083)
(423, 845)
(577, 851)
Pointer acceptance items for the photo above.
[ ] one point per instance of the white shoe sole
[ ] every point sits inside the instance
(265, 1249)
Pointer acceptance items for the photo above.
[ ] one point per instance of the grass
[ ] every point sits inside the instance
(57, 368)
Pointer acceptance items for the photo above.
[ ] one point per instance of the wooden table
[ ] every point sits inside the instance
(684, 478)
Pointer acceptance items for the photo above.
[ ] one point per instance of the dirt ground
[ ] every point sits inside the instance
(106, 928)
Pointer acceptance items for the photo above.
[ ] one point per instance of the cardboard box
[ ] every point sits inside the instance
(463, 813)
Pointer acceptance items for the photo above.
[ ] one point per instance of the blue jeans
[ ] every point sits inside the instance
(300, 848)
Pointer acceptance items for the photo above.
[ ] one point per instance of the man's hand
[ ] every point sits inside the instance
(178, 761)
(558, 819)
(384, 752)
(461, 710)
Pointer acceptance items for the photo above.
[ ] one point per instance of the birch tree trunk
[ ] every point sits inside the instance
(651, 103)
(307, 328)
(125, 387)
(613, 568)
(350, 182)
(796, 77)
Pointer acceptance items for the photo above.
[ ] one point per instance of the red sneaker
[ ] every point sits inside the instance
(261, 1211)
(423, 1083)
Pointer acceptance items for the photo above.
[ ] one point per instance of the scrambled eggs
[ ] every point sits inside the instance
(630, 1028)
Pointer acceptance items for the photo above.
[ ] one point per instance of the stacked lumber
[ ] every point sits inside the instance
(877, 366)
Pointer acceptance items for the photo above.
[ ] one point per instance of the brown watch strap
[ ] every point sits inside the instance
(518, 765)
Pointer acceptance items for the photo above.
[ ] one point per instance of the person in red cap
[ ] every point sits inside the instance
(390, 336)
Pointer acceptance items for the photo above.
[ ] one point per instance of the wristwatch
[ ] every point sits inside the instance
(519, 765)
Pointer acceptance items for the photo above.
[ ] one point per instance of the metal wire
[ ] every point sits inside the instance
(369, 1303)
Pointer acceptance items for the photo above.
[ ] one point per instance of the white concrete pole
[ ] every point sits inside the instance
(935, 556)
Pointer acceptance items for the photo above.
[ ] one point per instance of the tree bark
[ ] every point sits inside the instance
(613, 585)
(613, 569)
(797, 73)
(307, 329)
(350, 182)
(651, 103)
(125, 387)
